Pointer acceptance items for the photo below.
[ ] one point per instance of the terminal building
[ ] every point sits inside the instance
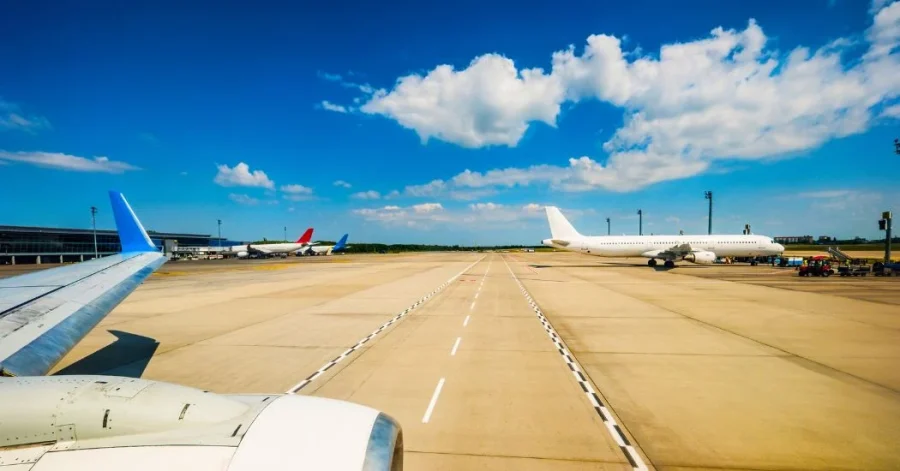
(25, 245)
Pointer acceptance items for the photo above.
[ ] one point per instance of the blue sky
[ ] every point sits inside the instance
(366, 118)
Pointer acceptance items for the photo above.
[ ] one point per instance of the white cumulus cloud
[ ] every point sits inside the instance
(296, 189)
(329, 106)
(342, 184)
(73, 163)
(366, 195)
(489, 102)
(295, 192)
(474, 215)
(427, 207)
(241, 175)
(723, 97)
(243, 199)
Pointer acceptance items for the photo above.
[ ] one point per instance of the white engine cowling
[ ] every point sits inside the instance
(106, 423)
(242, 254)
(702, 257)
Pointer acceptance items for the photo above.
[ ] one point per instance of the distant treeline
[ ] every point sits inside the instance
(395, 248)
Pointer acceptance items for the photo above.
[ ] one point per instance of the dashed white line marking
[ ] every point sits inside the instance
(302, 384)
(614, 430)
(434, 398)
(455, 346)
(466, 322)
(472, 307)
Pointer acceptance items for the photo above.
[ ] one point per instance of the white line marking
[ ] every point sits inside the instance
(302, 384)
(472, 306)
(434, 398)
(614, 430)
(466, 322)
(455, 346)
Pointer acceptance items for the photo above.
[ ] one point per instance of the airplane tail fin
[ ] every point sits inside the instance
(341, 243)
(560, 227)
(132, 235)
(306, 237)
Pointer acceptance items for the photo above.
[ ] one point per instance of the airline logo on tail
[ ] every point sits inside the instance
(306, 237)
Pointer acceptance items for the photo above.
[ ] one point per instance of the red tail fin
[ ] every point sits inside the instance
(306, 237)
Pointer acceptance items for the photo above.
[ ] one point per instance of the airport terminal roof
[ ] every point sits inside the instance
(57, 230)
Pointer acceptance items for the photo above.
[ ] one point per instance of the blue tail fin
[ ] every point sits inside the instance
(341, 243)
(131, 233)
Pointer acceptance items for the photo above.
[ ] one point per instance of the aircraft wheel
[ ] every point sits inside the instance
(651, 262)
(670, 264)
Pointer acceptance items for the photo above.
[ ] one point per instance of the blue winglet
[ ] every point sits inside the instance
(131, 233)
(341, 243)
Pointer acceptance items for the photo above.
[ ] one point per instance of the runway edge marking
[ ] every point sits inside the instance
(309, 379)
(634, 458)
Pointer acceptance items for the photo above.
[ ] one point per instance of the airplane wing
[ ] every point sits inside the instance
(672, 253)
(258, 249)
(109, 423)
(44, 314)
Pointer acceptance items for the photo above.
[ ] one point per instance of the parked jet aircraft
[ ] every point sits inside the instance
(702, 249)
(108, 423)
(283, 248)
(325, 249)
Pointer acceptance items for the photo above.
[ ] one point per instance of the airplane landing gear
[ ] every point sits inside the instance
(651, 262)
(670, 263)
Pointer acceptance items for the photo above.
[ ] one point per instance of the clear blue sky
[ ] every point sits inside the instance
(364, 118)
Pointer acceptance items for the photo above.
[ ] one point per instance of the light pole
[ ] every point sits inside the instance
(708, 195)
(608, 227)
(285, 233)
(94, 225)
(640, 222)
(885, 225)
(219, 221)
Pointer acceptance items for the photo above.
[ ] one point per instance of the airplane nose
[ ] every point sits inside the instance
(779, 247)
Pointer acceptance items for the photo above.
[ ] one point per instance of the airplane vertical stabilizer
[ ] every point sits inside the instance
(341, 244)
(560, 227)
(306, 237)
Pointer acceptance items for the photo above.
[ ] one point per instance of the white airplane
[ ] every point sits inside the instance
(282, 248)
(110, 423)
(325, 249)
(702, 249)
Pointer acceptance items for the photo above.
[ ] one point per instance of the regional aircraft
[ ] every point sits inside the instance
(702, 249)
(282, 248)
(110, 423)
(325, 249)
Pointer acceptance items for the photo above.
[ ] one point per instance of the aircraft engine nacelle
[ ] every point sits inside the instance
(121, 419)
(242, 254)
(702, 258)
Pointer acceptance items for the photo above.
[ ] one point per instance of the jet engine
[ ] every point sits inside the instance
(242, 254)
(112, 423)
(702, 257)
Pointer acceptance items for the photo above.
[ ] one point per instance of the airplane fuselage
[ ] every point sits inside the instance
(280, 248)
(649, 246)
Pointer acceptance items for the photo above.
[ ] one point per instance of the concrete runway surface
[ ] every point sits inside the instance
(539, 361)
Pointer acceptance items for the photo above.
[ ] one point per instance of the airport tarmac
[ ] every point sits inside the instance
(693, 368)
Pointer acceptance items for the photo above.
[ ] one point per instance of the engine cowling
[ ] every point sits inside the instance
(111, 423)
(702, 258)
(242, 254)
